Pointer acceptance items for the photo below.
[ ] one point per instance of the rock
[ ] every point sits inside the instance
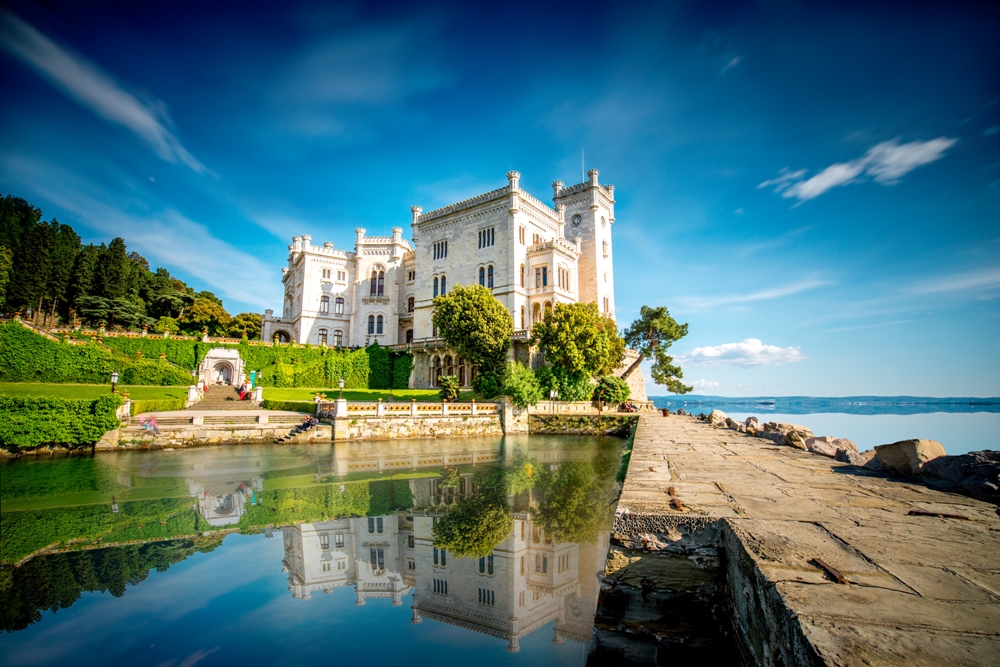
(752, 422)
(976, 474)
(681, 411)
(780, 427)
(854, 457)
(796, 439)
(717, 418)
(906, 457)
(828, 446)
(873, 463)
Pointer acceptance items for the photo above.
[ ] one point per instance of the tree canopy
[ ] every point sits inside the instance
(476, 325)
(577, 338)
(651, 336)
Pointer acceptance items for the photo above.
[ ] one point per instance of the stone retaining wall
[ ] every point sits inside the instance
(396, 427)
(613, 424)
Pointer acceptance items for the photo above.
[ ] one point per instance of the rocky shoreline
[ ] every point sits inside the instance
(976, 474)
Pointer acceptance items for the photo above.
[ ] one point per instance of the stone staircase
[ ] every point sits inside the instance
(223, 397)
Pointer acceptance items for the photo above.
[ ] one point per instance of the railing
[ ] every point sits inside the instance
(328, 409)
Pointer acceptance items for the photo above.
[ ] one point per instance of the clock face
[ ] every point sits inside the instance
(577, 220)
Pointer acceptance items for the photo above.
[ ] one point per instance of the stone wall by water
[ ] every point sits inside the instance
(390, 428)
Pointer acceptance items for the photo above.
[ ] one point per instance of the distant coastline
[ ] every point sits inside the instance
(851, 405)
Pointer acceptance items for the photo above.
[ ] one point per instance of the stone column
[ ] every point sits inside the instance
(413, 407)
(380, 409)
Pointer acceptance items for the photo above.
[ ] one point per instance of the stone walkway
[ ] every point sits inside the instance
(917, 589)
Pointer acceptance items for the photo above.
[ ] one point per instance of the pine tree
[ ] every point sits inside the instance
(65, 246)
(32, 263)
(82, 275)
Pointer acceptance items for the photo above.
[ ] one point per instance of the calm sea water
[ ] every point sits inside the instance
(962, 425)
(352, 570)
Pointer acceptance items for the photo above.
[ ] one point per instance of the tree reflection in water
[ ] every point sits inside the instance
(498, 538)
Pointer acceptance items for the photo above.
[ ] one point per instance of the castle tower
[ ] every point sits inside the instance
(589, 216)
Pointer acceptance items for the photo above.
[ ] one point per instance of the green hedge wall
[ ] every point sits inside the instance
(293, 406)
(156, 405)
(28, 357)
(29, 422)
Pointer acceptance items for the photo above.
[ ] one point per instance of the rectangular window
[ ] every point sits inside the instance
(545, 276)
(538, 276)
(409, 541)
(324, 541)
(545, 564)
(341, 564)
(371, 525)
(521, 599)
(339, 540)
(440, 586)
(486, 597)
(326, 567)
(522, 562)
(326, 274)
(324, 304)
(341, 276)
(338, 338)
(410, 565)
(538, 563)
(520, 235)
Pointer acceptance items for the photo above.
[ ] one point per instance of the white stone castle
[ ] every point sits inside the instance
(531, 255)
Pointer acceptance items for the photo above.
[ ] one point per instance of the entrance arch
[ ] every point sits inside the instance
(222, 373)
(283, 336)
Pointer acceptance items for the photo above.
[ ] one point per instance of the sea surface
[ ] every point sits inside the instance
(961, 424)
(309, 555)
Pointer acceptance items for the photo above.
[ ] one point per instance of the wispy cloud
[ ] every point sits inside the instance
(990, 131)
(161, 234)
(885, 163)
(702, 385)
(94, 89)
(750, 352)
(704, 303)
(732, 63)
(979, 279)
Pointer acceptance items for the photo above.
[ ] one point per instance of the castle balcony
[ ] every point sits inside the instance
(368, 300)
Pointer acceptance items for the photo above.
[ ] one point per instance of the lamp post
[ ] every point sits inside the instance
(340, 383)
(114, 382)
(114, 505)
(553, 395)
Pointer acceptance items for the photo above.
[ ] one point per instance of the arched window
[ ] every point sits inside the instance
(378, 325)
(536, 314)
(489, 564)
(371, 324)
(449, 365)
(482, 276)
(444, 289)
(338, 306)
(435, 286)
(461, 375)
(522, 275)
(338, 337)
(324, 304)
(520, 234)
(374, 281)
(482, 565)
(379, 525)
(489, 276)
(322, 336)
(522, 317)
(381, 283)
(409, 305)
(371, 525)
(437, 370)
(548, 308)
(607, 305)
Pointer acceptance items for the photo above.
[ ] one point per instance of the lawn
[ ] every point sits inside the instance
(306, 394)
(88, 391)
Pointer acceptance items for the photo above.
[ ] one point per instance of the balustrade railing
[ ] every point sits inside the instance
(329, 409)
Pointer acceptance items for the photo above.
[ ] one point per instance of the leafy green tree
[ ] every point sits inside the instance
(520, 383)
(112, 274)
(171, 304)
(245, 324)
(577, 338)
(575, 503)
(475, 324)
(448, 387)
(32, 262)
(122, 312)
(6, 260)
(166, 324)
(571, 386)
(475, 527)
(205, 314)
(210, 296)
(651, 336)
(611, 390)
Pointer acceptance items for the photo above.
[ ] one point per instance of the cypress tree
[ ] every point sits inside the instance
(32, 263)
(113, 271)
(65, 246)
(82, 275)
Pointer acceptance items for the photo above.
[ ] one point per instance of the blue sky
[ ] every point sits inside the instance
(813, 187)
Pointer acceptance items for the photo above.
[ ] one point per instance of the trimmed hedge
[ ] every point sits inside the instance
(28, 357)
(293, 406)
(160, 405)
(29, 422)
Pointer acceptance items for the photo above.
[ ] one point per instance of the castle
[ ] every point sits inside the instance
(531, 255)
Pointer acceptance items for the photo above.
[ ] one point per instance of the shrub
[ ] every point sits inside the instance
(611, 390)
(29, 422)
(402, 366)
(293, 406)
(449, 387)
(156, 405)
(488, 385)
(571, 386)
(521, 385)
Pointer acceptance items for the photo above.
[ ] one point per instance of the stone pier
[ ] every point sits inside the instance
(815, 562)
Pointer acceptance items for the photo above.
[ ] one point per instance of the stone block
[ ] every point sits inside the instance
(906, 457)
(829, 446)
(717, 418)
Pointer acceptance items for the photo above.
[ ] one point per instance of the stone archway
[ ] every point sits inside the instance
(222, 373)
(283, 336)
(222, 365)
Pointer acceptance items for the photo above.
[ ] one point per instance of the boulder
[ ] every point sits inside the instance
(781, 427)
(753, 423)
(681, 411)
(796, 439)
(828, 446)
(976, 474)
(717, 418)
(873, 463)
(854, 457)
(907, 457)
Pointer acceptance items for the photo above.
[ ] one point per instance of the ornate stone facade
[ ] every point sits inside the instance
(530, 254)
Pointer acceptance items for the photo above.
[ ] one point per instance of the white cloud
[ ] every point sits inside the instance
(91, 87)
(886, 163)
(990, 131)
(704, 303)
(751, 352)
(732, 63)
(701, 385)
(980, 279)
